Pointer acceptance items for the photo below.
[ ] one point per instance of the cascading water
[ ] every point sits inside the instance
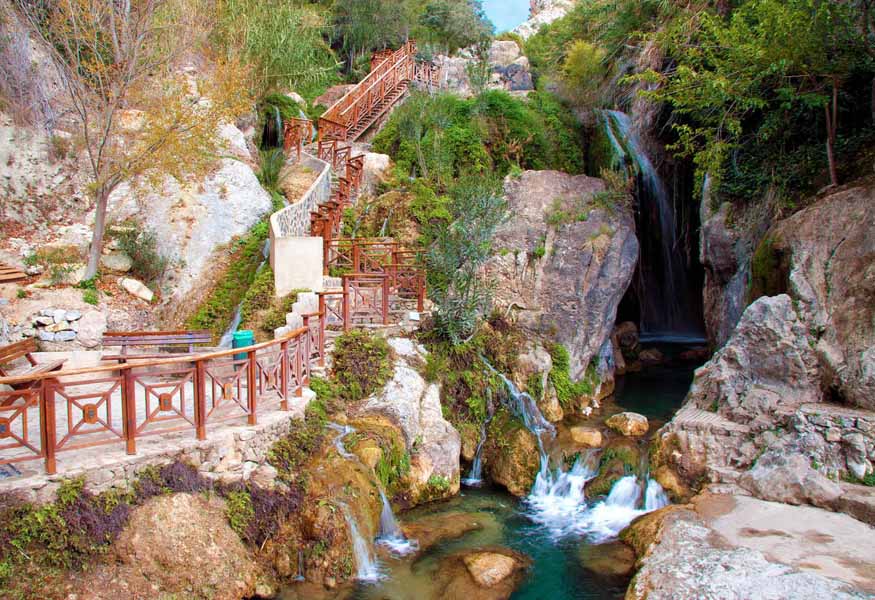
(475, 475)
(228, 336)
(391, 535)
(606, 519)
(557, 497)
(367, 567)
(665, 309)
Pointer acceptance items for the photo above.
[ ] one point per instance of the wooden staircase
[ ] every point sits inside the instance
(385, 86)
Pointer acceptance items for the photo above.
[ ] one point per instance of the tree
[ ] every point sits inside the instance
(138, 120)
(456, 257)
(365, 25)
(583, 72)
(456, 24)
(770, 59)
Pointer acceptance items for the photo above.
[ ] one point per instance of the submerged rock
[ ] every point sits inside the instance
(613, 559)
(489, 568)
(588, 437)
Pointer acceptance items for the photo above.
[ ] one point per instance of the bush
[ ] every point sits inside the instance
(362, 365)
(139, 242)
(567, 390)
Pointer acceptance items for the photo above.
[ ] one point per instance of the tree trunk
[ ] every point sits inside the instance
(96, 249)
(831, 125)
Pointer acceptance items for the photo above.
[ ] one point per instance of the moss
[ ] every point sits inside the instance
(616, 462)
(261, 311)
(362, 364)
(239, 511)
(393, 466)
(304, 440)
(868, 480)
(567, 390)
(769, 268)
(218, 308)
(436, 487)
(535, 386)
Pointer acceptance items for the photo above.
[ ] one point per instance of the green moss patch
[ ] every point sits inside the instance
(567, 390)
(769, 269)
(362, 364)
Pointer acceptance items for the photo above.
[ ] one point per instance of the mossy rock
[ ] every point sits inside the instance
(621, 457)
(645, 530)
(510, 455)
(769, 268)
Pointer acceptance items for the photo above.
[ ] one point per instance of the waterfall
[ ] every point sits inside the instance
(557, 497)
(606, 519)
(475, 475)
(228, 337)
(278, 123)
(662, 285)
(367, 568)
(300, 575)
(391, 535)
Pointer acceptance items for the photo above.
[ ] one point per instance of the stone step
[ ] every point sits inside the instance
(696, 418)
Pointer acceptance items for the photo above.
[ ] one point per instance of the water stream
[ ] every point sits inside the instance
(227, 338)
(366, 565)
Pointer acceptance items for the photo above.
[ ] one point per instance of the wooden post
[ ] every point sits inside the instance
(420, 296)
(252, 393)
(129, 410)
(200, 400)
(47, 425)
(346, 301)
(323, 318)
(356, 257)
(385, 300)
(284, 374)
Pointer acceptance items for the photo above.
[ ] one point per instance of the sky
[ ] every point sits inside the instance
(506, 14)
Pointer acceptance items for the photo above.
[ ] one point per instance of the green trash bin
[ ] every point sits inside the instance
(242, 339)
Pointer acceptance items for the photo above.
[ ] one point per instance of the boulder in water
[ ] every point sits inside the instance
(489, 568)
(510, 455)
(588, 437)
(614, 559)
(629, 424)
(651, 357)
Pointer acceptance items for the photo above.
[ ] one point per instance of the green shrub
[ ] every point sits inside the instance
(91, 297)
(292, 452)
(567, 391)
(139, 242)
(239, 510)
(362, 365)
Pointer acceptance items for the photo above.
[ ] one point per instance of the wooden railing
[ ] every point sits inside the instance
(121, 403)
(297, 133)
(364, 300)
(389, 71)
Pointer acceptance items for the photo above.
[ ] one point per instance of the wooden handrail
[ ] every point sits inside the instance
(206, 356)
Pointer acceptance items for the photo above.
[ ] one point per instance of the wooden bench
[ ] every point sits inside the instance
(24, 349)
(176, 340)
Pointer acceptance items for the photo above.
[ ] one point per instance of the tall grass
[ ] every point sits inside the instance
(285, 43)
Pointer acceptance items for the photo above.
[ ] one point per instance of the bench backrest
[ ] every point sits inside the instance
(18, 350)
(129, 339)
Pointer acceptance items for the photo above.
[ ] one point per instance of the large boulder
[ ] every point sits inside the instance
(193, 220)
(564, 281)
(178, 545)
(629, 424)
(414, 406)
(780, 477)
(509, 69)
(831, 250)
(767, 367)
(510, 456)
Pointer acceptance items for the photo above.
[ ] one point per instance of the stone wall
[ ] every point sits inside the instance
(229, 454)
(294, 220)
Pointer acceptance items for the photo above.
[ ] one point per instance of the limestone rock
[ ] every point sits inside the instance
(92, 326)
(488, 569)
(509, 70)
(563, 283)
(767, 365)
(503, 53)
(513, 460)
(629, 424)
(137, 289)
(543, 12)
(588, 437)
(375, 168)
(191, 534)
(332, 95)
(413, 405)
(117, 261)
(789, 478)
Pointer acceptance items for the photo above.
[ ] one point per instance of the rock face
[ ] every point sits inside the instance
(188, 532)
(629, 424)
(832, 276)
(191, 221)
(510, 455)
(757, 403)
(543, 12)
(415, 407)
(563, 282)
(768, 365)
(508, 69)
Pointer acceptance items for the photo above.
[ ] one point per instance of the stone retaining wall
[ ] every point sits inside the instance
(841, 439)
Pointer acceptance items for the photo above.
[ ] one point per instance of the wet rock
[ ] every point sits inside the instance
(369, 452)
(629, 424)
(433, 530)
(588, 437)
(620, 458)
(626, 334)
(510, 455)
(137, 289)
(488, 568)
(414, 406)
(651, 357)
(614, 559)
